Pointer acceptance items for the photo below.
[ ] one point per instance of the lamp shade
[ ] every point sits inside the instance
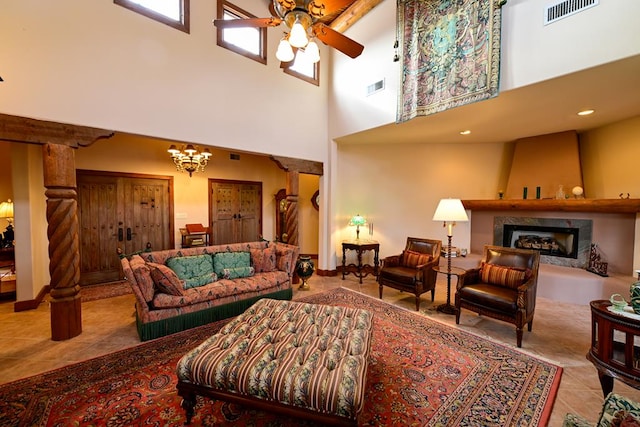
(6, 209)
(357, 220)
(450, 210)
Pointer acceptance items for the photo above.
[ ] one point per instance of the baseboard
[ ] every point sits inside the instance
(31, 304)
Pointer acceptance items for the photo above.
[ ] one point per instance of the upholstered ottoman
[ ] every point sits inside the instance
(303, 360)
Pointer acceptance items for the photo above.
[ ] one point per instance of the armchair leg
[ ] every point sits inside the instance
(519, 337)
(417, 302)
(530, 325)
(433, 294)
(458, 315)
(380, 289)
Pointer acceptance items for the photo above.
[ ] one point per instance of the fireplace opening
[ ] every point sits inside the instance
(553, 241)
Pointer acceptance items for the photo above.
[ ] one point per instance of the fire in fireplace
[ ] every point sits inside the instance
(552, 241)
(561, 241)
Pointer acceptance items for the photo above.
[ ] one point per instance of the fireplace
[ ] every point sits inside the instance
(552, 241)
(560, 241)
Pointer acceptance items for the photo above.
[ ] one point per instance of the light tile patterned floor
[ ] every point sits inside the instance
(561, 334)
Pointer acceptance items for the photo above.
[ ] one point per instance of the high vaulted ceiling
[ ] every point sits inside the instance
(612, 90)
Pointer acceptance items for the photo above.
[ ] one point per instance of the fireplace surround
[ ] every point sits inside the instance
(560, 241)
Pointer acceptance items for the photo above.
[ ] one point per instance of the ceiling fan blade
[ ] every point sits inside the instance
(286, 4)
(337, 40)
(320, 8)
(249, 22)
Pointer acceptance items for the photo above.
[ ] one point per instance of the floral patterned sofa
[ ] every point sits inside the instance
(617, 411)
(179, 289)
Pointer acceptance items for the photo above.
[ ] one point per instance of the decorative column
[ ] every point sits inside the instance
(292, 207)
(62, 230)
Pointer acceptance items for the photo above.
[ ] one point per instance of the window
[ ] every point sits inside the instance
(304, 69)
(246, 41)
(174, 13)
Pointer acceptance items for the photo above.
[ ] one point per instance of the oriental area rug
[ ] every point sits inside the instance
(450, 53)
(420, 372)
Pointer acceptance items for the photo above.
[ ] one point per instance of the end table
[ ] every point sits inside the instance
(447, 308)
(360, 246)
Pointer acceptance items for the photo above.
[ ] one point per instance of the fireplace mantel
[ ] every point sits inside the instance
(567, 205)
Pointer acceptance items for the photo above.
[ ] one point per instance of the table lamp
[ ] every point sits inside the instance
(6, 212)
(357, 220)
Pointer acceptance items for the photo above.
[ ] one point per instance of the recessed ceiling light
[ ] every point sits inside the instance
(465, 132)
(585, 112)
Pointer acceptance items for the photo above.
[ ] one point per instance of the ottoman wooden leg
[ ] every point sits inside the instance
(188, 404)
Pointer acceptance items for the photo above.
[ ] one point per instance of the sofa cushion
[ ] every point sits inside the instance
(616, 409)
(284, 258)
(197, 281)
(263, 260)
(503, 276)
(237, 272)
(165, 279)
(142, 274)
(229, 260)
(187, 267)
(413, 258)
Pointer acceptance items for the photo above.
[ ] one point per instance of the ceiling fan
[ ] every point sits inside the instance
(304, 19)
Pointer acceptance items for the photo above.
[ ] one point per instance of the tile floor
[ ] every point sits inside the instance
(561, 334)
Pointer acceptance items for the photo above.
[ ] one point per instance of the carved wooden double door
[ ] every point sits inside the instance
(236, 211)
(120, 211)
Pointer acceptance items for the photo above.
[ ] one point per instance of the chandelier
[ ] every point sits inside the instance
(300, 24)
(189, 158)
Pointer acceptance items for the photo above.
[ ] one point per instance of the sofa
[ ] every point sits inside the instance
(179, 289)
(617, 411)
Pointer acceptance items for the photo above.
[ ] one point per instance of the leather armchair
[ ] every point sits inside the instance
(503, 287)
(412, 270)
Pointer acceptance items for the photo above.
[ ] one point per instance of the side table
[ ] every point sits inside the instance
(447, 308)
(360, 246)
(614, 350)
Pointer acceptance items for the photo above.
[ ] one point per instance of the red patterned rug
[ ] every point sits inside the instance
(420, 373)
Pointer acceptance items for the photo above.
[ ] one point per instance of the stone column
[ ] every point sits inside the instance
(62, 230)
(292, 207)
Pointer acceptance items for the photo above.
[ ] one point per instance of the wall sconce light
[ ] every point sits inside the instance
(189, 158)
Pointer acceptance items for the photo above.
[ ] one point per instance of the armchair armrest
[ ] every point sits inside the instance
(390, 261)
(527, 295)
(470, 277)
(426, 273)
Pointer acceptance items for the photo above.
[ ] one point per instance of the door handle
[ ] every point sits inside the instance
(128, 233)
(239, 216)
(120, 234)
(235, 216)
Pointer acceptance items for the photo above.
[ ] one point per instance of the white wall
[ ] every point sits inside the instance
(98, 64)
(530, 53)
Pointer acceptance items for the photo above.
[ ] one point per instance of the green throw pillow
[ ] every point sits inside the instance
(188, 267)
(196, 282)
(230, 260)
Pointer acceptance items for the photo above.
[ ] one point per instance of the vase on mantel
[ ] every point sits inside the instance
(304, 269)
(635, 297)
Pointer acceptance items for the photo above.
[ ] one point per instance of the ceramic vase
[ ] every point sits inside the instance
(304, 269)
(635, 297)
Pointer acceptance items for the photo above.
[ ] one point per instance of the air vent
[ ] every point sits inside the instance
(234, 156)
(375, 87)
(566, 8)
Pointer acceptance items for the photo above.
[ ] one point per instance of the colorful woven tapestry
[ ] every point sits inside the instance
(450, 53)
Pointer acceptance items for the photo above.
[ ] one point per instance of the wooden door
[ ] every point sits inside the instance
(235, 211)
(120, 211)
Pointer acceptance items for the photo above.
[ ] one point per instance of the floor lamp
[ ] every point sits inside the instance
(449, 211)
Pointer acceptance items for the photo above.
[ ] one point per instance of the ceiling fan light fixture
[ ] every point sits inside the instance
(298, 35)
(312, 51)
(284, 52)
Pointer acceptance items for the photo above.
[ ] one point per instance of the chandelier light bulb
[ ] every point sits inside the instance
(284, 52)
(313, 52)
(298, 36)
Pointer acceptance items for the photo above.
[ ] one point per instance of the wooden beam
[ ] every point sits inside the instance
(297, 165)
(567, 205)
(353, 13)
(32, 131)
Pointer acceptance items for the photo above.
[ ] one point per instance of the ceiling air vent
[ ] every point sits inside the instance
(375, 87)
(565, 8)
(234, 156)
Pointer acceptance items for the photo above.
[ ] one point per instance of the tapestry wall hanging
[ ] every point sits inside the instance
(450, 53)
